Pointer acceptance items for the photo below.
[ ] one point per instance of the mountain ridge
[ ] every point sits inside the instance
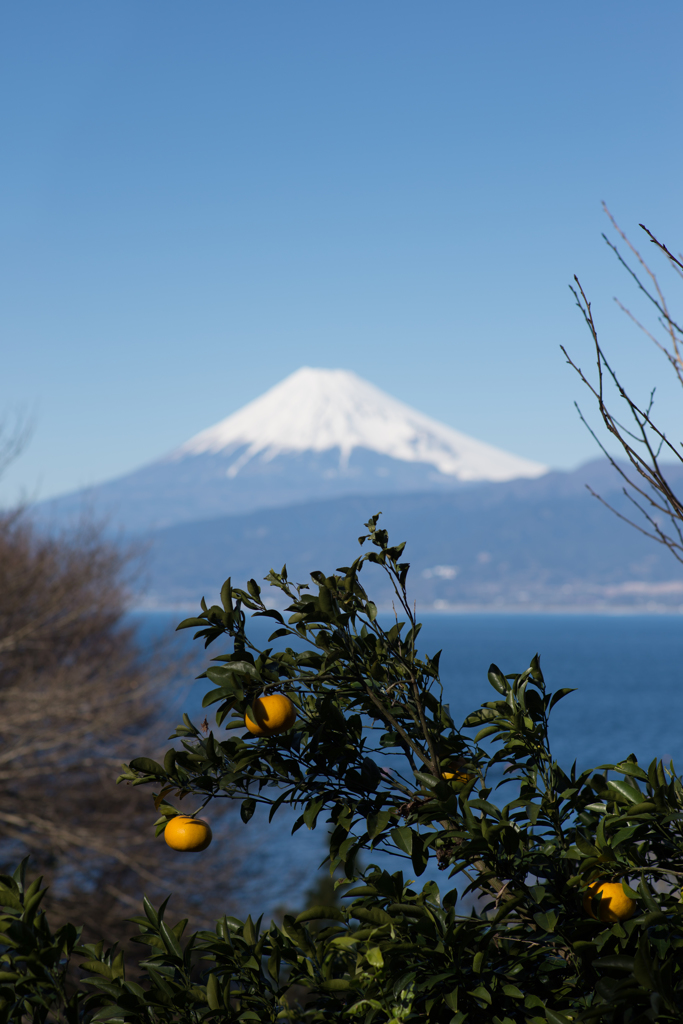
(317, 434)
(528, 545)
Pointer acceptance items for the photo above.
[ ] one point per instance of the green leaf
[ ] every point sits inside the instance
(535, 669)
(646, 807)
(403, 837)
(513, 992)
(451, 1000)
(479, 716)
(427, 780)
(151, 913)
(419, 855)
(377, 821)
(632, 769)
(374, 915)
(486, 807)
(213, 696)
(277, 634)
(498, 680)
(553, 1017)
(247, 809)
(624, 834)
(311, 813)
(374, 957)
(9, 899)
(192, 622)
(170, 941)
(336, 985)
(546, 921)
(212, 993)
(630, 793)
(249, 930)
(97, 967)
(481, 993)
(619, 963)
(646, 896)
(117, 965)
(642, 968)
(321, 914)
(243, 668)
(559, 694)
(148, 766)
(488, 730)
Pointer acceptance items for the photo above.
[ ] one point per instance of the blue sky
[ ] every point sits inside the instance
(197, 199)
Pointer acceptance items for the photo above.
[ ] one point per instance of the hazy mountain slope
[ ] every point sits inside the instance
(522, 544)
(318, 434)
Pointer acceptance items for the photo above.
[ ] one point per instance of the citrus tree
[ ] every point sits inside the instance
(561, 898)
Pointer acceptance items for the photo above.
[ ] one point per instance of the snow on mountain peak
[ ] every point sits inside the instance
(318, 410)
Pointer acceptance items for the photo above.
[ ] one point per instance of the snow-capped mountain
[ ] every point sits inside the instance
(335, 410)
(317, 434)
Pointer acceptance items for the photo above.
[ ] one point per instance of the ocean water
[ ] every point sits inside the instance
(627, 671)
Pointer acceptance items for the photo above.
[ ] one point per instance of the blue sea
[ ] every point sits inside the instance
(627, 671)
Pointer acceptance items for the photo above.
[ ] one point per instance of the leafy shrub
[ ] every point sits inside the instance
(516, 941)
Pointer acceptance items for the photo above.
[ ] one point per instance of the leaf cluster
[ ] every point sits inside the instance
(375, 754)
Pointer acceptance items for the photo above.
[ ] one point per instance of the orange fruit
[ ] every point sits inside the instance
(613, 905)
(189, 835)
(274, 713)
(457, 776)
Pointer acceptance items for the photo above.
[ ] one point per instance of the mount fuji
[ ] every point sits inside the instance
(318, 434)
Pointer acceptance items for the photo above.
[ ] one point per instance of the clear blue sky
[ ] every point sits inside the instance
(199, 198)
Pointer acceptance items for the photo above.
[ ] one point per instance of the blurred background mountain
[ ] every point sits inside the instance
(295, 474)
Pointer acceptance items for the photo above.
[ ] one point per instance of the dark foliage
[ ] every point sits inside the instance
(368, 754)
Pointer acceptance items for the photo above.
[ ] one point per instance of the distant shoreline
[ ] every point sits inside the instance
(651, 609)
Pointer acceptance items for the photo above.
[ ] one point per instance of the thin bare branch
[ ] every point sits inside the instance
(14, 437)
(76, 689)
(645, 477)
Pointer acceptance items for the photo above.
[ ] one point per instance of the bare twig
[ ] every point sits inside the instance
(646, 483)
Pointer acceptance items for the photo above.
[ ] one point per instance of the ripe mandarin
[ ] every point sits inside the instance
(274, 713)
(457, 776)
(189, 835)
(612, 906)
